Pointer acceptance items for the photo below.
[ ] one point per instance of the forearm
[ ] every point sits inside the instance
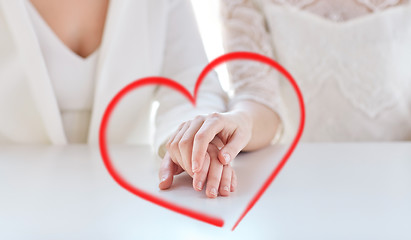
(264, 123)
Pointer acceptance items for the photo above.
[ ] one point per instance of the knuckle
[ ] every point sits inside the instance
(215, 118)
(200, 136)
(174, 146)
(168, 145)
(199, 118)
(213, 180)
(184, 143)
(215, 115)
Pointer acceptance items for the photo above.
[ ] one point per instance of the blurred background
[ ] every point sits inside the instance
(208, 19)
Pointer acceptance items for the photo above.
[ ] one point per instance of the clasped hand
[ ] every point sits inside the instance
(205, 147)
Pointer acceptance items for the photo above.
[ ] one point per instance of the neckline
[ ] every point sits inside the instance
(365, 18)
(51, 32)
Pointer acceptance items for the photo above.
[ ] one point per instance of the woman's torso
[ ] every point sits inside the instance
(71, 75)
(140, 39)
(354, 70)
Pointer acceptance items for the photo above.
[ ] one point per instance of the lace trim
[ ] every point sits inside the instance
(341, 10)
(246, 30)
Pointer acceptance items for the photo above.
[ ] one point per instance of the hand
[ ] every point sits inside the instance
(220, 178)
(188, 146)
(167, 171)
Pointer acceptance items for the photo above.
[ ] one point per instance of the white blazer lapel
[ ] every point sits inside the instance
(38, 79)
(124, 55)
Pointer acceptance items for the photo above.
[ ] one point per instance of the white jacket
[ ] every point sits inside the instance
(141, 38)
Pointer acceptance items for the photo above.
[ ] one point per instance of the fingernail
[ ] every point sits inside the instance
(213, 192)
(199, 185)
(226, 188)
(226, 158)
(163, 178)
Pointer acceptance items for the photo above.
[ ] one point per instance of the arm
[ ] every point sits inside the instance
(252, 121)
(263, 120)
(184, 59)
(254, 107)
(245, 29)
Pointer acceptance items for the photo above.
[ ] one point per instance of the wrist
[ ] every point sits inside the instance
(244, 111)
(243, 115)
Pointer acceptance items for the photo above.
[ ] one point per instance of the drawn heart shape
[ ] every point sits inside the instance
(192, 98)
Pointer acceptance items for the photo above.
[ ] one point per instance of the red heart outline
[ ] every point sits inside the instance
(192, 98)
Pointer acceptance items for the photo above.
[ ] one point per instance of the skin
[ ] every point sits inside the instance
(78, 23)
(221, 179)
(247, 126)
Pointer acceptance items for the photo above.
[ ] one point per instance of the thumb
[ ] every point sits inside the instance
(231, 149)
(167, 171)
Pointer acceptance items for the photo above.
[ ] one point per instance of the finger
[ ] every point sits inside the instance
(174, 149)
(217, 142)
(186, 143)
(170, 140)
(201, 177)
(232, 148)
(166, 172)
(210, 128)
(233, 181)
(225, 183)
(214, 176)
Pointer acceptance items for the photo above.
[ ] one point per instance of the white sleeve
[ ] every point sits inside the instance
(244, 29)
(184, 59)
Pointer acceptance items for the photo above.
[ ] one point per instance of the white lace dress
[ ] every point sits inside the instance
(351, 59)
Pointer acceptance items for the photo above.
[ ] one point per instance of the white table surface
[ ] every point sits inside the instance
(325, 191)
